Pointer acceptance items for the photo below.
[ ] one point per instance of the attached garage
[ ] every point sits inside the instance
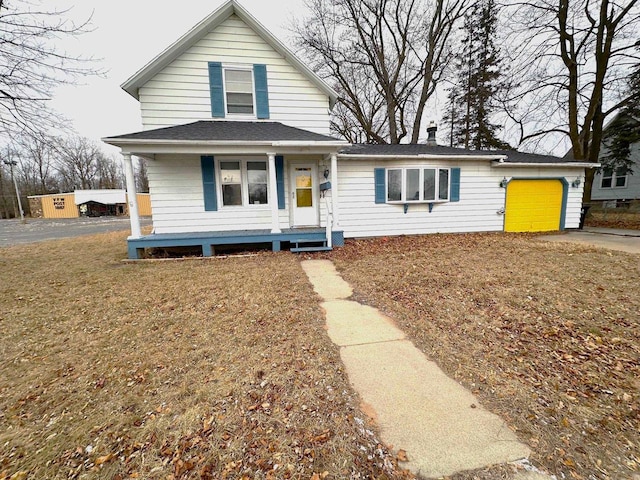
(535, 205)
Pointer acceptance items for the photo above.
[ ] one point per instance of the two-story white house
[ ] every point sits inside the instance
(236, 134)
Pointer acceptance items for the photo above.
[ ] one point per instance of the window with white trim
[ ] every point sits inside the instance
(238, 90)
(417, 184)
(614, 178)
(243, 182)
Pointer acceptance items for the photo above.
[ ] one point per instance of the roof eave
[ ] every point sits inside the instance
(545, 164)
(426, 156)
(227, 147)
(142, 76)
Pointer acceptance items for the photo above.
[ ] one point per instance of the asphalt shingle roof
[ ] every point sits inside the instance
(424, 149)
(228, 131)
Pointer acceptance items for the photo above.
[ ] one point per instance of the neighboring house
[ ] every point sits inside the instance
(236, 134)
(616, 186)
(86, 203)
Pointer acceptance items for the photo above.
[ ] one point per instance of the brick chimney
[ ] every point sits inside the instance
(431, 134)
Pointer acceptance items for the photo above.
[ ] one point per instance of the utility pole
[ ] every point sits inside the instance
(13, 163)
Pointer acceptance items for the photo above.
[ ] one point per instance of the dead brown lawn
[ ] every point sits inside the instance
(546, 334)
(197, 369)
(613, 219)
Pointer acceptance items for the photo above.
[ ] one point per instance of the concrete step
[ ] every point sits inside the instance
(322, 248)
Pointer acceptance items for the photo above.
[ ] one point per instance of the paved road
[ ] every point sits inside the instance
(12, 232)
(611, 238)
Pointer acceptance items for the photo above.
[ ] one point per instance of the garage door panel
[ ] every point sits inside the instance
(533, 205)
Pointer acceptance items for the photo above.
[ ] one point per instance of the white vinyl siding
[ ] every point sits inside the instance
(180, 93)
(178, 202)
(177, 198)
(481, 199)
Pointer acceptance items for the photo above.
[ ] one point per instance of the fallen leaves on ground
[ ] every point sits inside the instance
(547, 335)
(203, 369)
(613, 219)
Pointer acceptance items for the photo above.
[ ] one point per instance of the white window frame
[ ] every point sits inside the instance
(614, 178)
(248, 68)
(421, 169)
(244, 182)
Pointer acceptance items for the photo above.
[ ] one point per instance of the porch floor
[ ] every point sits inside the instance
(208, 240)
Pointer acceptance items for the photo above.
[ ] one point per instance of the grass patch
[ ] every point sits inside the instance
(196, 369)
(546, 334)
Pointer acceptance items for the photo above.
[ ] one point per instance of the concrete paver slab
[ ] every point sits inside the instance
(419, 409)
(351, 323)
(623, 243)
(325, 279)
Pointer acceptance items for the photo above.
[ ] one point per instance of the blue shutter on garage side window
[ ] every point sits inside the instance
(380, 177)
(217, 90)
(454, 194)
(262, 90)
(209, 183)
(280, 180)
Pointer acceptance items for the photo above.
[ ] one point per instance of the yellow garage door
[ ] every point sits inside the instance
(533, 205)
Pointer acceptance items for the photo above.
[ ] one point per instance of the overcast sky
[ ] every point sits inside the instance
(128, 34)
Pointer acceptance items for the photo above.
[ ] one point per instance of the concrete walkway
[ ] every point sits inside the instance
(611, 238)
(440, 424)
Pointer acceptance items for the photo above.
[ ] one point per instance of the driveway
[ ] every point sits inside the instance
(611, 238)
(12, 232)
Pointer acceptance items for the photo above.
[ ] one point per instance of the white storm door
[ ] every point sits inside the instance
(304, 193)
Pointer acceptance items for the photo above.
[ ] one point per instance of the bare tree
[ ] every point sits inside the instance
(8, 201)
(576, 57)
(79, 163)
(37, 158)
(384, 57)
(32, 65)
(110, 173)
(142, 181)
(6, 194)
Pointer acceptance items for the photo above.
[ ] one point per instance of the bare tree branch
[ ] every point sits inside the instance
(32, 64)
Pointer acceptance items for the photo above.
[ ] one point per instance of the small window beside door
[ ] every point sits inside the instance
(243, 182)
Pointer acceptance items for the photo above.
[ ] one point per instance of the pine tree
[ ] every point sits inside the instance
(624, 130)
(472, 100)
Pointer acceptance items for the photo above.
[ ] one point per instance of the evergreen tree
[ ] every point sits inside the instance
(471, 101)
(624, 130)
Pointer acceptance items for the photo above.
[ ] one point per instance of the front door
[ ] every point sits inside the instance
(304, 192)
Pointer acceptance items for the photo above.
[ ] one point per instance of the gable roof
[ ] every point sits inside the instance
(227, 131)
(198, 32)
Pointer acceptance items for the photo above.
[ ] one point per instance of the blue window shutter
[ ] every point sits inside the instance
(454, 194)
(380, 176)
(262, 91)
(209, 183)
(280, 180)
(217, 91)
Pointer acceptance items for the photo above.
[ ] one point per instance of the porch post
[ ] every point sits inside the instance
(273, 194)
(132, 198)
(334, 190)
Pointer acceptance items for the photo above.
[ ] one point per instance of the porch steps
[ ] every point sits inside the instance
(309, 248)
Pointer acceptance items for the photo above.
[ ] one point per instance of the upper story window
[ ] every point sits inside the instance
(408, 185)
(238, 91)
(614, 178)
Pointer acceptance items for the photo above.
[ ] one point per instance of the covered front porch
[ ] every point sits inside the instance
(235, 183)
(296, 239)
